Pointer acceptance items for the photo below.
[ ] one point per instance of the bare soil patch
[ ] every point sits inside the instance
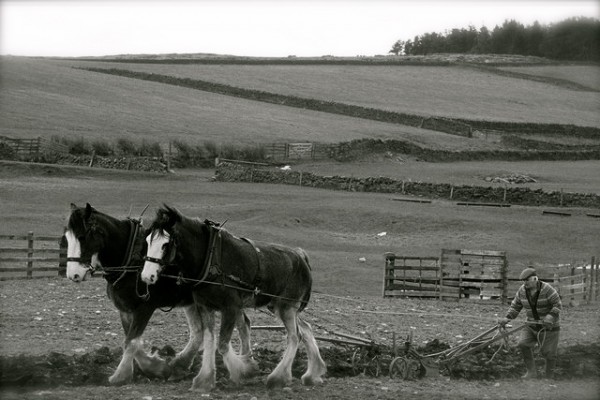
(62, 339)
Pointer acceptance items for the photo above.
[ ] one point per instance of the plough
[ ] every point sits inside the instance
(369, 359)
(412, 365)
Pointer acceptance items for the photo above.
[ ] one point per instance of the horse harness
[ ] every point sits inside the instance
(211, 270)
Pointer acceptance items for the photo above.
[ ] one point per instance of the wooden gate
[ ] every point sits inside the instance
(478, 273)
(411, 276)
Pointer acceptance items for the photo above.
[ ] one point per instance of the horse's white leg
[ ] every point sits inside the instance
(124, 372)
(133, 325)
(207, 376)
(184, 359)
(282, 374)
(316, 365)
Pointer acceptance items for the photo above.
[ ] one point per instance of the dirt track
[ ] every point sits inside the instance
(61, 340)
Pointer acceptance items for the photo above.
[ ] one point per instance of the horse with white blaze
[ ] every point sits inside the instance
(98, 241)
(227, 274)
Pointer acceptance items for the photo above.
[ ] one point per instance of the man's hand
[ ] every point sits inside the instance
(503, 321)
(548, 321)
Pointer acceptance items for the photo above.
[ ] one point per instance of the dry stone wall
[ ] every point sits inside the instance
(228, 172)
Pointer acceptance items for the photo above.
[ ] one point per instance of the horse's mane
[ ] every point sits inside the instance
(167, 216)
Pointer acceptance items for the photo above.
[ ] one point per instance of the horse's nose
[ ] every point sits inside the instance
(75, 278)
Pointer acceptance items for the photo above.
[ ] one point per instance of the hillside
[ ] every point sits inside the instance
(453, 91)
(50, 97)
(45, 97)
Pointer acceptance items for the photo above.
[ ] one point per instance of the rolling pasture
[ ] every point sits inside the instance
(444, 91)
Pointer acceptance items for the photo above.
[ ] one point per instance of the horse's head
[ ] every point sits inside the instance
(162, 243)
(85, 238)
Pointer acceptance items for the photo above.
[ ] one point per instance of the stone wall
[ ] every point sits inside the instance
(227, 172)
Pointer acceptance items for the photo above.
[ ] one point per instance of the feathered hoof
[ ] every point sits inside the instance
(311, 380)
(251, 368)
(276, 382)
(202, 385)
(120, 379)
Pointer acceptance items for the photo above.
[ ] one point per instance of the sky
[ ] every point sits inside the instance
(273, 28)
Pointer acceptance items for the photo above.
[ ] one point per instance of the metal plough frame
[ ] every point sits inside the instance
(413, 365)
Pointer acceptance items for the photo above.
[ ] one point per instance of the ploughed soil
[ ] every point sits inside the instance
(62, 340)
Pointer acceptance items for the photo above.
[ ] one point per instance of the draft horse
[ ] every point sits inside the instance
(116, 246)
(227, 274)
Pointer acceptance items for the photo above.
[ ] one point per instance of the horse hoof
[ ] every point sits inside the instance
(311, 381)
(201, 388)
(276, 383)
(118, 381)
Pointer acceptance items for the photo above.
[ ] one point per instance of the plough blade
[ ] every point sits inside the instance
(432, 369)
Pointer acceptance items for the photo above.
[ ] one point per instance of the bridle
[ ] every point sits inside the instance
(87, 263)
(160, 261)
(124, 267)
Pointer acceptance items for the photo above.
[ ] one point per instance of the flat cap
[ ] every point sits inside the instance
(527, 272)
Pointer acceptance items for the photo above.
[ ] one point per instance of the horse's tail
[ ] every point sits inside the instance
(305, 299)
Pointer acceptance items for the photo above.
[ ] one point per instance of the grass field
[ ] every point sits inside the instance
(45, 98)
(448, 91)
(336, 228)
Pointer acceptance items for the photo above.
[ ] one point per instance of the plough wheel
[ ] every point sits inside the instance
(405, 368)
(365, 363)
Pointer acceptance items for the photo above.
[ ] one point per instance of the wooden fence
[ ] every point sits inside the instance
(477, 274)
(30, 147)
(23, 255)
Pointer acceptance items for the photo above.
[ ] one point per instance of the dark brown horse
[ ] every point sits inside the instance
(227, 274)
(98, 241)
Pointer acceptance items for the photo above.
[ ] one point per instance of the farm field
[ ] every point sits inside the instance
(69, 334)
(49, 98)
(586, 75)
(66, 336)
(447, 91)
(336, 228)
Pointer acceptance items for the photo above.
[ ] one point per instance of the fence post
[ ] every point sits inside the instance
(388, 271)
(62, 257)
(92, 158)
(504, 275)
(572, 291)
(29, 255)
(451, 191)
(441, 271)
(595, 280)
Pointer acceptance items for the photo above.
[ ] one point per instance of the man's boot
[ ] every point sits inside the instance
(529, 363)
(550, 365)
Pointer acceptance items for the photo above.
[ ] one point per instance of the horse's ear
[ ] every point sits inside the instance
(88, 210)
(73, 207)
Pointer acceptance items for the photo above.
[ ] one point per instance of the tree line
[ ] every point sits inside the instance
(575, 38)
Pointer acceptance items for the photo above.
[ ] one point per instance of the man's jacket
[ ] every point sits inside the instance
(547, 302)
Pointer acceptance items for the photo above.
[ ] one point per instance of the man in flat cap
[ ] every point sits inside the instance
(542, 305)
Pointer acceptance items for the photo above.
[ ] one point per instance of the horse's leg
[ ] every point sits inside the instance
(249, 366)
(234, 364)
(184, 359)
(316, 365)
(282, 374)
(243, 327)
(133, 324)
(207, 376)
